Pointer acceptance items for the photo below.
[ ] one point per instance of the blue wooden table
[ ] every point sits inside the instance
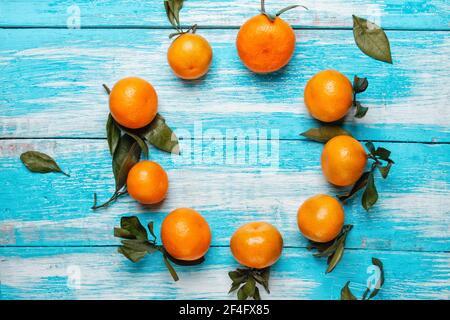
(52, 246)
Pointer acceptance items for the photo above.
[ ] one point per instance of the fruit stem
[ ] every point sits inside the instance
(108, 91)
(263, 7)
(114, 197)
(192, 29)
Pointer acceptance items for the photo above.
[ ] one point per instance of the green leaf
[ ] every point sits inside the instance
(256, 295)
(122, 233)
(113, 134)
(327, 251)
(370, 147)
(346, 293)
(360, 110)
(173, 8)
(371, 39)
(335, 249)
(366, 292)
(139, 245)
(241, 294)
(159, 134)
(134, 227)
(361, 183)
(126, 155)
(249, 287)
(382, 153)
(150, 228)
(138, 140)
(380, 283)
(384, 170)
(337, 256)
(131, 254)
(360, 84)
(237, 276)
(370, 195)
(36, 161)
(234, 287)
(172, 271)
(185, 262)
(265, 274)
(325, 133)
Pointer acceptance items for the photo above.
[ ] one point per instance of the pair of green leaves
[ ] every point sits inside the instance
(126, 146)
(39, 162)
(371, 39)
(367, 180)
(359, 85)
(346, 293)
(272, 17)
(173, 8)
(245, 280)
(333, 250)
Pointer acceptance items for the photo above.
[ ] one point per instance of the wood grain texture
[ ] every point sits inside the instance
(51, 88)
(105, 274)
(58, 76)
(420, 14)
(35, 209)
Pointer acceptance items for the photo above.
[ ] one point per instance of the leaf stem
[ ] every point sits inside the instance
(289, 8)
(113, 198)
(172, 271)
(66, 174)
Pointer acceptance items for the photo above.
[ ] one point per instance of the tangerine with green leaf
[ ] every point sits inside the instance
(256, 245)
(133, 102)
(147, 182)
(320, 218)
(343, 160)
(185, 234)
(189, 55)
(265, 43)
(328, 95)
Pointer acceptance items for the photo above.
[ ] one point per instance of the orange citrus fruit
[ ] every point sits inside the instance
(256, 245)
(328, 95)
(133, 102)
(265, 46)
(185, 234)
(320, 218)
(147, 182)
(343, 160)
(190, 56)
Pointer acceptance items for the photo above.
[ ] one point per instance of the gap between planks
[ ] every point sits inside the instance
(225, 139)
(212, 27)
(215, 246)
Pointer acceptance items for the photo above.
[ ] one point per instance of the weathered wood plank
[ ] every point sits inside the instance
(51, 273)
(35, 209)
(58, 75)
(332, 13)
